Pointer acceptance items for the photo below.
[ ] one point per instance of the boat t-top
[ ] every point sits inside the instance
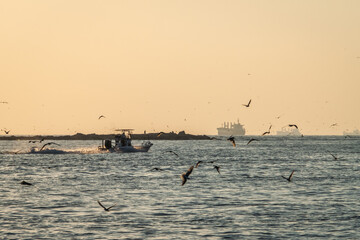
(123, 143)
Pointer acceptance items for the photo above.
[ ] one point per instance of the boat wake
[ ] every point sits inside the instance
(56, 151)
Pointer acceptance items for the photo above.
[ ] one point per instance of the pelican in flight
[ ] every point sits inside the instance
(185, 176)
(105, 208)
(49, 143)
(289, 178)
(232, 139)
(247, 105)
(102, 116)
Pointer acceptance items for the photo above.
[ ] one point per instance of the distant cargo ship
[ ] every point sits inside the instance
(228, 129)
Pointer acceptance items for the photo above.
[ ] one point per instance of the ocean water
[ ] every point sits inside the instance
(248, 199)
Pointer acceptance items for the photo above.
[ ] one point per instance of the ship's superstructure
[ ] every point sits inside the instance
(234, 129)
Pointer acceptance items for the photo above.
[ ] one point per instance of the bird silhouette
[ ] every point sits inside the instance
(268, 132)
(25, 183)
(289, 178)
(335, 157)
(253, 139)
(247, 105)
(185, 176)
(198, 163)
(105, 208)
(232, 140)
(49, 143)
(293, 125)
(6, 131)
(217, 168)
(159, 134)
(173, 153)
(101, 116)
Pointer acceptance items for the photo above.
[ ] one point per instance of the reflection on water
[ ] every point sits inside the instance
(249, 199)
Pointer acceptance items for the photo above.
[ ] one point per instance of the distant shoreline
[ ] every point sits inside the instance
(79, 136)
(148, 136)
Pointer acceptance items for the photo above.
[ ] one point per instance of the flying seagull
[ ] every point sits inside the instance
(335, 157)
(102, 116)
(247, 105)
(217, 168)
(333, 125)
(4, 102)
(106, 209)
(253, 139)
(185, 176)
(289, 178)
(293, 125)
(49, 143)
(6, 131)
(173, 153)
(268, 132)
(232, 139)
(198, 163)
(25, 183)
(159, 134)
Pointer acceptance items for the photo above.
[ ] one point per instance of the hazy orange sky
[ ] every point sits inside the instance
(179, 65)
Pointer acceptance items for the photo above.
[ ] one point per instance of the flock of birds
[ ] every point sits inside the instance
(185, 176)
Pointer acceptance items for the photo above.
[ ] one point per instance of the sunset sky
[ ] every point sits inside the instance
(179, 65)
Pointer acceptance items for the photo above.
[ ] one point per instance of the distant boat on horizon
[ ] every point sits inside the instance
(355, 132)
(288, 131)
(231, 129)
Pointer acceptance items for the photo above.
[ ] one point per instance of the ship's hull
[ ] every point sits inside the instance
(293, 132)
(229, 132)
(126, 149)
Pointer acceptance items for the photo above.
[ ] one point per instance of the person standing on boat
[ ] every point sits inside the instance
(123, 139)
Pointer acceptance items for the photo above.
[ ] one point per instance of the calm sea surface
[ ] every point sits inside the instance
(248, 200)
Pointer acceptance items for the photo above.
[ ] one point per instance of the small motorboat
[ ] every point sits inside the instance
(123, 143)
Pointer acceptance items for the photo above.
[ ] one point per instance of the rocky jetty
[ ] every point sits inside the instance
(79, 136)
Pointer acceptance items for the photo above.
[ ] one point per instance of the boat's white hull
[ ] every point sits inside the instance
(127, 149)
